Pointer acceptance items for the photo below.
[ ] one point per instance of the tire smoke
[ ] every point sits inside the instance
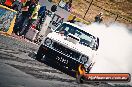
(115, 50)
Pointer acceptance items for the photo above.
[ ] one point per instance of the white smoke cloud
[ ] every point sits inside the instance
(115, 50)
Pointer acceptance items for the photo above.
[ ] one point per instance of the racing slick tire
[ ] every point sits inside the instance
(79, 79)
(40, 55)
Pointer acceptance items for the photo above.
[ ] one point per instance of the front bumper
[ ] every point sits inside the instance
(55, 57)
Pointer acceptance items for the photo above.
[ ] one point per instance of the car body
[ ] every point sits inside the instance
(69, 46)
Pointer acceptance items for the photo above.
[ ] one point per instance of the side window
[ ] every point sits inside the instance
(62, 28)
(78, 34)
(67, 29)
(71, 30)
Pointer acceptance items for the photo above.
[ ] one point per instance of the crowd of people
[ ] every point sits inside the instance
(29, 12)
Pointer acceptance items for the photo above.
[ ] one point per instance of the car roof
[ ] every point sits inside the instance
(82, 26)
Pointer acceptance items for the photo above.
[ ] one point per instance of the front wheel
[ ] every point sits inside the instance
(39, 54)
(43, 58)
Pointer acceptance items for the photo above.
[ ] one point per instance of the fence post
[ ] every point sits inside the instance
(116, 17)
(88, 8)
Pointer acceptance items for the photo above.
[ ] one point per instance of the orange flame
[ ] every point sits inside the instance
(81, 70)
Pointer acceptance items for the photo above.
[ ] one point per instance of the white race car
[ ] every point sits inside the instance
(69, 46)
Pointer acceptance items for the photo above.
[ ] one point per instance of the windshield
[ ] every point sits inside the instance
(85, 38)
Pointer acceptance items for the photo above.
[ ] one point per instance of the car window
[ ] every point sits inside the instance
(85, 38)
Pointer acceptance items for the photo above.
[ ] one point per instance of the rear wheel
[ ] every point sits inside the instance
(79, 79)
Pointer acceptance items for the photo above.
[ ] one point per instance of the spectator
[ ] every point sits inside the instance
(99, 18)
(34, 16)
(17, 5)
(73, 20)
(42, 15)
(42, 10)
(30, 14)
(68, 5)
(8, 3)
(35, 11)
(24, 16)
(62, 3)
(27, 10)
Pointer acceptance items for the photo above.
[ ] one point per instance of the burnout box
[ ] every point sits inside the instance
(7, 19)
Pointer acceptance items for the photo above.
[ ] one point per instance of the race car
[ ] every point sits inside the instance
(68, 46)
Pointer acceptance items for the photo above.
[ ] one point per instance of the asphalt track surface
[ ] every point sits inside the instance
(19, 69)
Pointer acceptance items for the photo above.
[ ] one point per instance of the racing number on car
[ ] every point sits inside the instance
(62, 60)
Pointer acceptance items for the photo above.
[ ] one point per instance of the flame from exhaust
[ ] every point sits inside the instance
(81, 70)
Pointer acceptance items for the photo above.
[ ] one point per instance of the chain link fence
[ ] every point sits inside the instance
(87, 10)
(93, 10)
